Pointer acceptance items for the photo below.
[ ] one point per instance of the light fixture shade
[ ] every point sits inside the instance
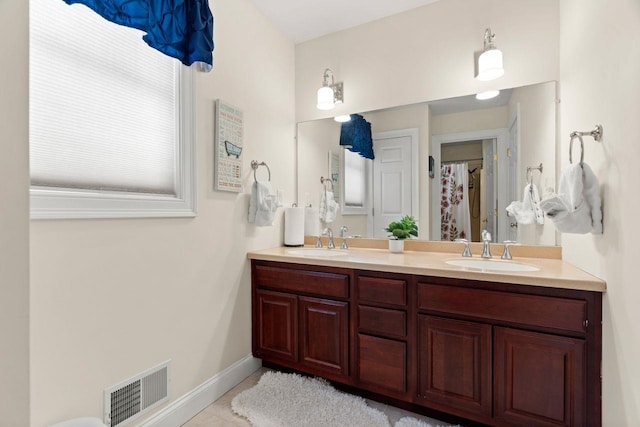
(487, 95)
(325, 98)
(490, 65)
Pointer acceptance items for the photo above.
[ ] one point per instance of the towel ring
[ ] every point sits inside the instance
(255, 165)
(579, 137)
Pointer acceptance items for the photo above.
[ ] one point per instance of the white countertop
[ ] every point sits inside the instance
(553, 273)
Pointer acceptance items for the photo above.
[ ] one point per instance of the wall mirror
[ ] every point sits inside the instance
(488, 145)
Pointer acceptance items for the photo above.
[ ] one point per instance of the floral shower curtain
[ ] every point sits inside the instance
(454, 207)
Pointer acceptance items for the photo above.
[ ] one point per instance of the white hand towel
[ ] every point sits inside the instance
(328, 207)
(577, 206)
(262, 204)
(531, 201)
(591, 194)
(528, 210)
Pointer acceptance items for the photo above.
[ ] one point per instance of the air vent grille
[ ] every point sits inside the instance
(135, 396)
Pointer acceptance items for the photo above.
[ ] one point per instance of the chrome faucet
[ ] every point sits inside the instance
(329, 232)
(486, 239)
(506, 254)
(319, 242)
(466, 252)
(343, 230)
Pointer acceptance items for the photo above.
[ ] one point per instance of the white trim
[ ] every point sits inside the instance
(500, 134)
(513, 120)
(414, 134)
(52, 203)
(186, 407)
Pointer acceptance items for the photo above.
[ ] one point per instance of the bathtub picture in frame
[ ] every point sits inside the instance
(228, 147)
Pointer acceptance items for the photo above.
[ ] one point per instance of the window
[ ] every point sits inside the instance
(355, 184)
(111, 120)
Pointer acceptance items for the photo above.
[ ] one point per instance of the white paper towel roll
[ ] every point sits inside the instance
(311, 221)
(294, 226)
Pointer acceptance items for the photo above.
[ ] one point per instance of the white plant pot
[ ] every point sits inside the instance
(396, 246)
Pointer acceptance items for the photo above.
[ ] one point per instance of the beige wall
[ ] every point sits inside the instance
(600, 69)
(14, 214)
(112, 298)
(428, 53)
(469, 121)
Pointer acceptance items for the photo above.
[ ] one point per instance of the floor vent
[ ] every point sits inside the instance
(133, 397)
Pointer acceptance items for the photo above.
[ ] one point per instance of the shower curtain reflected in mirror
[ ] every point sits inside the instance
(454, 207)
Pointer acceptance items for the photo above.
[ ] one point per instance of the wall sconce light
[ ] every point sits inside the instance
(329, 94)
(490, 60)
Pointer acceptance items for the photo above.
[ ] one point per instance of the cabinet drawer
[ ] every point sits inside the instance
(382, 290)
(382, 321)
(550, 312)
(302, 281)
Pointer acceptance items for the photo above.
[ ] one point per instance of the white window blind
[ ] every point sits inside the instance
(106, 111)
(354, 183)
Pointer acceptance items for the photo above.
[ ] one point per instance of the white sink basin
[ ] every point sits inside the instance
(316, 252)
(485, 264)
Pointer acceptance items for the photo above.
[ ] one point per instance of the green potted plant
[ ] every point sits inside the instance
(400, 230)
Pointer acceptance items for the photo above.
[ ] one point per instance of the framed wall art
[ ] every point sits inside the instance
(228, 147)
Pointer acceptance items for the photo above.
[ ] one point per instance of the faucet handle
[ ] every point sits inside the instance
(506, 254)
(466, 252)
(329, 232)
(343, 230)
(319, 242)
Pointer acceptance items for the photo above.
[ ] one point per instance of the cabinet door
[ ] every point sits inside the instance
(382, 364)
(454, 363)
(324, 335)
(276, 326)
(539, 379)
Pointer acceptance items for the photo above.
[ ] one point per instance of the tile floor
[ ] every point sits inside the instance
(219, 413)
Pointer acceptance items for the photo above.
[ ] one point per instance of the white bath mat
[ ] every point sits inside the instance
(412, 422)
(287, 400)
(281, 399)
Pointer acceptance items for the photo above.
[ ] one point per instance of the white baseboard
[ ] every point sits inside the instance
(186, 407)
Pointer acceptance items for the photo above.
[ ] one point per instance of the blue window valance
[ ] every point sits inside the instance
(355, 135)
(182, 29)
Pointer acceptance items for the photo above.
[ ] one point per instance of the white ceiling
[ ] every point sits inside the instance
(303, 20)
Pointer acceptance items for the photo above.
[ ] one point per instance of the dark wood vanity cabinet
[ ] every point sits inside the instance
(498, 354)
(383, 334)
(510, 355)
(301, 318)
